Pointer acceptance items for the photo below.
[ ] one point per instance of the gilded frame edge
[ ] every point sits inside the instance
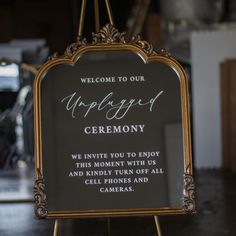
(109, 39)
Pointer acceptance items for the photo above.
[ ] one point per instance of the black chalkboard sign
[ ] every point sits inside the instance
(112, 131)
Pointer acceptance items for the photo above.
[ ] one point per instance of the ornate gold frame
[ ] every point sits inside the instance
(107, 39)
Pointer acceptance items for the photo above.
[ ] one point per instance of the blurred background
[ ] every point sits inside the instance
(200, 34)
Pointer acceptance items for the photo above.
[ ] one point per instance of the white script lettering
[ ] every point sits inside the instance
(113, 110)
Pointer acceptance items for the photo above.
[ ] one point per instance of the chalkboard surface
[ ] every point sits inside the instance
(112, 134)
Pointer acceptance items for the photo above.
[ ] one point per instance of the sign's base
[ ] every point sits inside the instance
(108, 230)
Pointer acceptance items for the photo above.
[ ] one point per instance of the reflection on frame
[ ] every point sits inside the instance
(16, 131)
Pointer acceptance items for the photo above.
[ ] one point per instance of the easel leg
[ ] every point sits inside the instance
(55, 232)
(108, 226)
(158, 227)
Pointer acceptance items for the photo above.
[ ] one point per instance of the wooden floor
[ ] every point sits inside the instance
(216, 192)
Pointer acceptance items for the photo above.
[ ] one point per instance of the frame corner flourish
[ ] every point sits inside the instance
(40, 197)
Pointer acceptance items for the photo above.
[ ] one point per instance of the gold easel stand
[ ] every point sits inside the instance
(158, 227)
(80, 33)
(97, 15)
(55, 232)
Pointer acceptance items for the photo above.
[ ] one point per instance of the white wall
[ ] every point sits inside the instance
(208, 50)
